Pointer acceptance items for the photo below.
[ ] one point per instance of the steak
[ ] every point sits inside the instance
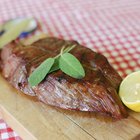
(96, 92)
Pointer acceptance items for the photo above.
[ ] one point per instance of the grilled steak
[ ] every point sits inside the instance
(96, 92)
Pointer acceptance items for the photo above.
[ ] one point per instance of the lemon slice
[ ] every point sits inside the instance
(129, 91)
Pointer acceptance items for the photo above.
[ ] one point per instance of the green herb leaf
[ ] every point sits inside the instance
(70, 65)
(55, 66)
(13, 32)
(40, 72)
(65, 61)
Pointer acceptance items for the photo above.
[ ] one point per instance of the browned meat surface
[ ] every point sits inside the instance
(97, 92)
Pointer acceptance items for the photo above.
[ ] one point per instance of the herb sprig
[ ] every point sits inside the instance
(14, 32)
(64, 61)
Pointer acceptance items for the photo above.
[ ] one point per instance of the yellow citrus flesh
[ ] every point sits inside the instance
(129, 91)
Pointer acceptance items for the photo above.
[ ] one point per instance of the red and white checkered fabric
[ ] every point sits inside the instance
(111, 27)
(6, 133)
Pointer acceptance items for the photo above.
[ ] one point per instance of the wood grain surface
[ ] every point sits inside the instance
(33, 120)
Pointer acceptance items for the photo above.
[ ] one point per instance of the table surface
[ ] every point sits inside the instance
(107, 26)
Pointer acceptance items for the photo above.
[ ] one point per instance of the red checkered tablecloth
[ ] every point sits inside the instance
(111, 27)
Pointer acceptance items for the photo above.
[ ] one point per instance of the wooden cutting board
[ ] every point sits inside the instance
(33, 120)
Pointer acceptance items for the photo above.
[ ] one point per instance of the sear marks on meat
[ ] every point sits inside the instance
(96, 92)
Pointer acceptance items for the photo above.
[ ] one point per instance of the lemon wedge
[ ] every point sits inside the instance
(129, 91)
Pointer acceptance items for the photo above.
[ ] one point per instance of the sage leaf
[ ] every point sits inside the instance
(40, 72)
(71, 66)
(13, 32)
(55, 66)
